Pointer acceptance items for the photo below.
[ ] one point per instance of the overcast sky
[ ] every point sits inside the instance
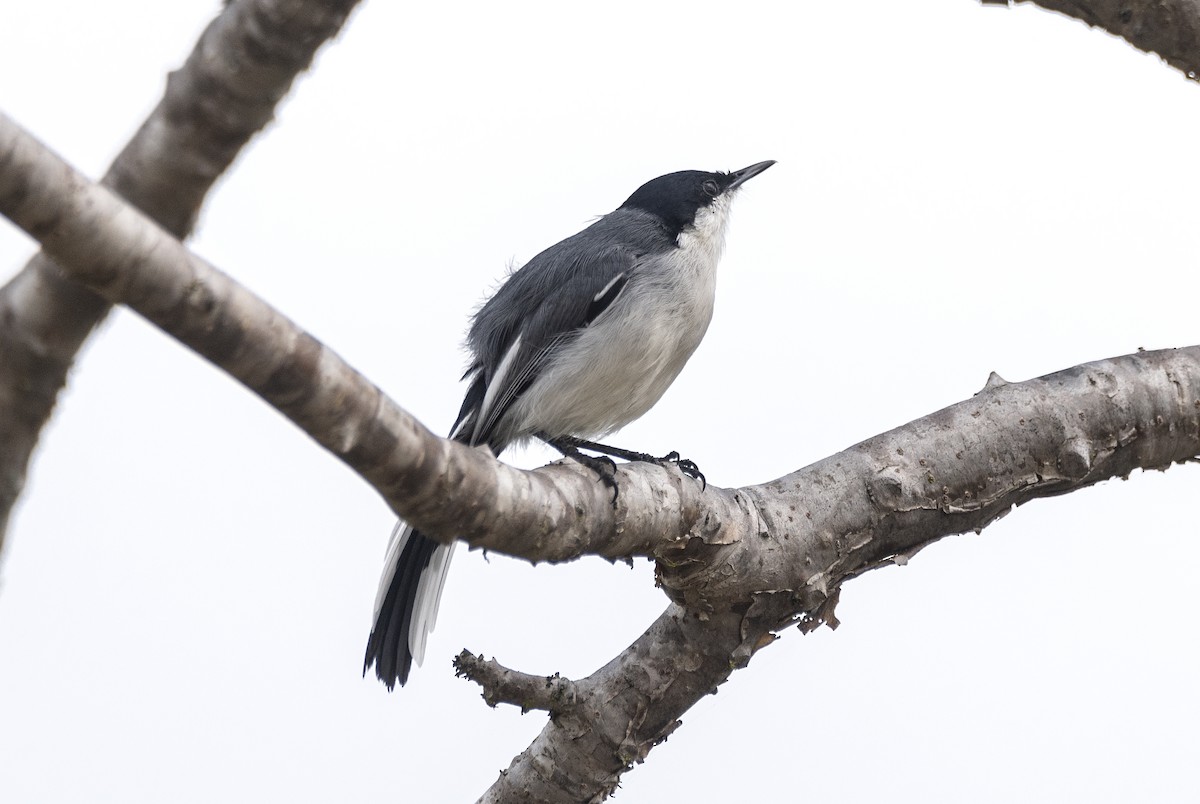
(188, 583)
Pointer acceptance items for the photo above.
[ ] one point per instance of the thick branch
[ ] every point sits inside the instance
(1170, 28)
(951, 472)
(228, 89)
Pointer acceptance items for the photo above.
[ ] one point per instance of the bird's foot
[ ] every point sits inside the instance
(571, 447)
(687, 466)
(604, 466)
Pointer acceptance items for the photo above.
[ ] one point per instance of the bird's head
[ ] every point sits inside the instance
(692, 198)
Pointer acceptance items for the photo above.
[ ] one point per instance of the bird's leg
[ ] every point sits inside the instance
(565, 443)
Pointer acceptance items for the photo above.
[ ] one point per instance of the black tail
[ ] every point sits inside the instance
(387, 647)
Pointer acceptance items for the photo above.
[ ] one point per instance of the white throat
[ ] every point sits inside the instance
(705, 238)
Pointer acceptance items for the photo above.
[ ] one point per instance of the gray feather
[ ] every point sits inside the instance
(547, 304)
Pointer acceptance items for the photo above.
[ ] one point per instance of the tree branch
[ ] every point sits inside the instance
(1170, 28)
(739, 564)
(242, 66)
(742, 579)
(553, 694)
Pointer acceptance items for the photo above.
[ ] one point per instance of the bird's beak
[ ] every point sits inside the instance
(738, 177)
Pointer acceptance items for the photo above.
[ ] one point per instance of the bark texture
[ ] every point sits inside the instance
(1170, 28)
(227, 91)
(780, 556)
(737, 564)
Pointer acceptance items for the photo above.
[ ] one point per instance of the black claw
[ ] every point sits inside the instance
(688, 467)
(605, 467)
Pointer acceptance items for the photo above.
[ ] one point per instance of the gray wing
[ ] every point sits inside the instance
(536, 312)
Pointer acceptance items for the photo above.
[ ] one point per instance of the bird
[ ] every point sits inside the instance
(580, 341)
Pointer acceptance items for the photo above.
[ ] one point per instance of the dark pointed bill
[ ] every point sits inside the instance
(747, 173)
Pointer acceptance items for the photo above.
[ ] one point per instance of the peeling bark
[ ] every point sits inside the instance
(227, 91)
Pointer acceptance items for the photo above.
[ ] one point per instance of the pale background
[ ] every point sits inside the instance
(188, 583)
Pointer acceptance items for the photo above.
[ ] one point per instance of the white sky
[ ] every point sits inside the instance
(188, 583)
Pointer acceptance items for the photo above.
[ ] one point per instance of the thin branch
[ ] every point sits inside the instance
(242, 66)
(623, 711)
(553, 694)
(1170, 28)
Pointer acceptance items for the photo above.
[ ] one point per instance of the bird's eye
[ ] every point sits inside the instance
(710, 188)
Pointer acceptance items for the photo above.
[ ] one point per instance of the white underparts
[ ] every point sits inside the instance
(620, 366)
